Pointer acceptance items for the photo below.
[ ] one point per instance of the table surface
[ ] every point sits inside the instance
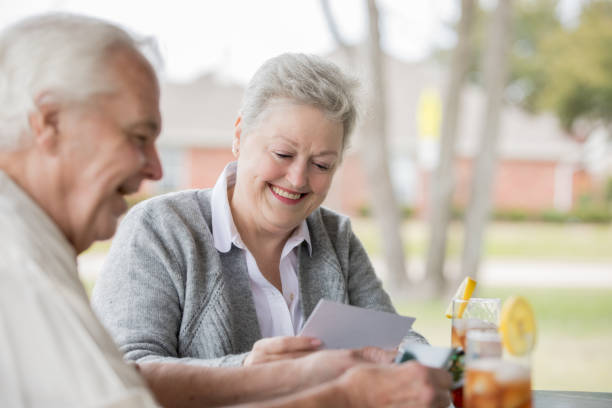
(571, 399)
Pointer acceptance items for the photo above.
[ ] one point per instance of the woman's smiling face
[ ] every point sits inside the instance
(286, 163)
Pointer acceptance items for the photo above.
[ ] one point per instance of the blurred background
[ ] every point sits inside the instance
(485, 148)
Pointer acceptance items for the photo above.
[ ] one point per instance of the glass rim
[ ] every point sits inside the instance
(477, 300)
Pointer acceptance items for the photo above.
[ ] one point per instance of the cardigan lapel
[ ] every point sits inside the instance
(242, 317)
(320, 274)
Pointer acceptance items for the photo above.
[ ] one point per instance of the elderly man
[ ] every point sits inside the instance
(79, 117)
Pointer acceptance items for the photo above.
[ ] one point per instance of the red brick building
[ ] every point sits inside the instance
(540, 167)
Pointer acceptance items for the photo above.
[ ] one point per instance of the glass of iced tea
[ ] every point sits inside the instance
(493, 377)
(472, 314)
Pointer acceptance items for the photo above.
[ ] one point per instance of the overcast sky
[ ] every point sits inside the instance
(235, 36)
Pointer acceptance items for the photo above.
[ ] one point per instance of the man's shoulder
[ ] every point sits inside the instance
(45, 314)
(17, 243)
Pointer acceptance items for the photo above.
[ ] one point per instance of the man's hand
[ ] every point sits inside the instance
(281, 348)
(406, 385)
(375, 355)
(327, 365)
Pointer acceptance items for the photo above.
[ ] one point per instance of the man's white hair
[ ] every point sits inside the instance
(59, 57)
(306, 79)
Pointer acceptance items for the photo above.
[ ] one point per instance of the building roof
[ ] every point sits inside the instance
(202, 114)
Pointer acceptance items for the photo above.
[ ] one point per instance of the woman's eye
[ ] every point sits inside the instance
(323, 167)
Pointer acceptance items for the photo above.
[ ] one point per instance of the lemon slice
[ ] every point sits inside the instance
(464, 291)
(517, 326)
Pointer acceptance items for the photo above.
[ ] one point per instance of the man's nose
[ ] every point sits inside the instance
(153, 168)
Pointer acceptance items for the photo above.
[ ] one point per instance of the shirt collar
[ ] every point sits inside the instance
(300, 234)
(224, 230)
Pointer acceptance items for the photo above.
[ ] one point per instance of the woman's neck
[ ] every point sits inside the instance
(257, 239)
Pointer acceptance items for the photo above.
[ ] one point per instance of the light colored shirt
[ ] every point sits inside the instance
(53, 350)
(278, 314)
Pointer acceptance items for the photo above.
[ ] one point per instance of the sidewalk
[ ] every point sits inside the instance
(524, 272)
(496, 272)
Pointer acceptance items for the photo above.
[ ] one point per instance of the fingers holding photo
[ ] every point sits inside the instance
(280, 348)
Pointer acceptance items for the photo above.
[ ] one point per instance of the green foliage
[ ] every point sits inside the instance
(364, 210)
(594, 214)
(578, 63)
(580, 311)
(554, 216)
(134, 199)
(514, 214)
(554, 67)
(590, 212)
(608, 192)
(593, 209)
(577, 310)
(533, 21)
(406, 212)
(457, 213)
(571, 241)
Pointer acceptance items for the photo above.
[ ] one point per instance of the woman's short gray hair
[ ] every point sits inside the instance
(306, 79)
(61, 56)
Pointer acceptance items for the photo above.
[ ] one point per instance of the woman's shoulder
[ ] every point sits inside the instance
(185, 205)
(330, 221)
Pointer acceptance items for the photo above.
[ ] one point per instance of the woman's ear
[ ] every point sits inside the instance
(44, 125)
(236, 138)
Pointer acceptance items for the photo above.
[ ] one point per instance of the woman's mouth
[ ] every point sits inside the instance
(286, 196)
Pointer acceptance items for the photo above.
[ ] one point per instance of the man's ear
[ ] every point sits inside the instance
(236, 138)
(44, 125)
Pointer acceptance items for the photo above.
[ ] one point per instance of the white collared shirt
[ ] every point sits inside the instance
(53, 350)
(278, 314)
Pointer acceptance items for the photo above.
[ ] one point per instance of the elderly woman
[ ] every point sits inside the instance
(202, 275)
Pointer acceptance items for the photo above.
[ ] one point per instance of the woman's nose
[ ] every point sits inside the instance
(298, 175)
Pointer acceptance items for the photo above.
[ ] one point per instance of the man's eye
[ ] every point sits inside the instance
(143, 139)
(282, 155)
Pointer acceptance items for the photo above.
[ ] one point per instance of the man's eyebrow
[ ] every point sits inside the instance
(151, 125)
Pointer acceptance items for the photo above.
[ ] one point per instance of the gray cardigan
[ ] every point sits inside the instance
(166, 294)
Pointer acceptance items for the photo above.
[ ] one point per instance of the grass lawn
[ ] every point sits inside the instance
(100, 247)
(574, 334)
(578, 242)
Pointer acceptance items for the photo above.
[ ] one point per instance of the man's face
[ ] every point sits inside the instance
(106, 149)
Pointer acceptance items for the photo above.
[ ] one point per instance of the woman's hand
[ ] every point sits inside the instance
(281, 348)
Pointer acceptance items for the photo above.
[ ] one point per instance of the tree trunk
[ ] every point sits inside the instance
(376, 160)
(443, 183)
(374, 152)
(495, 71)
